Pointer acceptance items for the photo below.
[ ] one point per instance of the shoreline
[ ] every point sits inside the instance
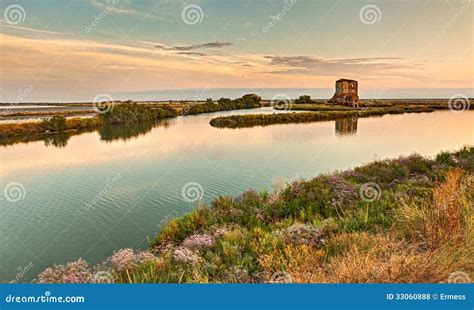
(341, 227)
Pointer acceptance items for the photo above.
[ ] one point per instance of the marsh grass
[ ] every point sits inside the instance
(250, 120)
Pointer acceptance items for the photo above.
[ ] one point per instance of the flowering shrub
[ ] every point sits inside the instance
(128, 259)
(343, 191)
(198, 241)
(74, 272)
(301, 234)
(184, 255)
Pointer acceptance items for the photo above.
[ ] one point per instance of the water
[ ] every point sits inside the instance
(90, 194)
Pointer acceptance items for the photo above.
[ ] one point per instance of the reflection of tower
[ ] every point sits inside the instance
(346, 125)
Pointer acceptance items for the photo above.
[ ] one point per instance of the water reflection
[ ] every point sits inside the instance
(107, 133)
(57, 140)
(110, 132)
(346, 126)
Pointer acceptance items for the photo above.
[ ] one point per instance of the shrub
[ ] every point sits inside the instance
(304, 99)
(73, 272)
(55, 123)
(127, 259)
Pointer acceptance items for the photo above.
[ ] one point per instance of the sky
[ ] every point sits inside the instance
(76, 50)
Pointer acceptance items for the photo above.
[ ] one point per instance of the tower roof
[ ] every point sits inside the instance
(346, 80)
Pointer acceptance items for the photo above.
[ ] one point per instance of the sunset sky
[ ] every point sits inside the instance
(73, 50)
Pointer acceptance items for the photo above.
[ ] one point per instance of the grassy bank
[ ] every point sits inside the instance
(250, 120)
(308, 104)
(408, 219)
(119, 114)
(223, 104)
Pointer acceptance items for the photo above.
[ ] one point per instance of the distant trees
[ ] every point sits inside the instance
(224, 104)
(304, 99)
(128, 113)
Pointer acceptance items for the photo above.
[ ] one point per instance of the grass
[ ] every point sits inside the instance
(403, 220)
(126, 113)
(250, 120)
(121, 113)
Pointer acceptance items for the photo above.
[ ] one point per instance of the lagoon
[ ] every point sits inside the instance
(97, 192)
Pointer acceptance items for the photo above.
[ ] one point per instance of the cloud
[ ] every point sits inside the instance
(192, 54)
(365, 66)
(116, 7)
(194, 46)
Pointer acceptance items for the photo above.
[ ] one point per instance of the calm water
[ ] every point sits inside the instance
(90, 194)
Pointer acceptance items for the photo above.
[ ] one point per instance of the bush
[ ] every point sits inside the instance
(128, 113)
(55, 123)
(304, 99)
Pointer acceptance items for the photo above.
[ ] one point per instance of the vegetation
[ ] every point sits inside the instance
(52, 125)
(305, 103)
(250, 120)
(401, 220)
(304, 99)
(223, 104)
(129, 113)
(49, 113)
(125, 113)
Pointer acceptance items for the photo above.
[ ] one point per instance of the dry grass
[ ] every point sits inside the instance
(429, 242)
(302, 262)
(447, 219)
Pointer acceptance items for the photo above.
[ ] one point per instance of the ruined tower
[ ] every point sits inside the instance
(346, 93)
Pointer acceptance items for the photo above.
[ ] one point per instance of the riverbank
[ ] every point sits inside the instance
(113, 113)
(58, 124)
(251, 120)
(403, 220)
